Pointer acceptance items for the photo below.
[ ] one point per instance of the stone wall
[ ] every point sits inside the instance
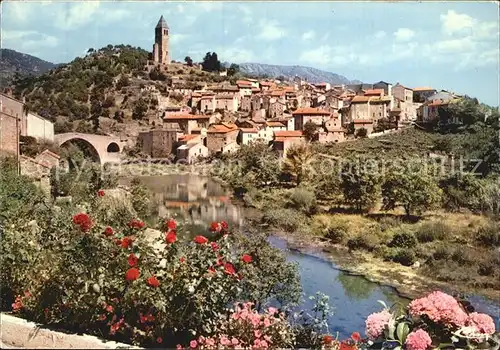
(9, 142)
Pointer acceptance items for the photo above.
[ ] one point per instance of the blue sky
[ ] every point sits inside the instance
(446, 45)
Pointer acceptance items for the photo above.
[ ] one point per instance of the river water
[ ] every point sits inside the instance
(197, 201)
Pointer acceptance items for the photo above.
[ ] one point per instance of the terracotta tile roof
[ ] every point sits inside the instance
(243, 83)
(185, 116)
(311, 111)
(288, 133)
(207, 97)
(266, 83)
(277, 93)
(35, 161)
(188, 137)
(222, 128)
(276, 124)
(255, 89)
(437, 103)
(55, 155)
(321, 84)
(195, 94)
(363, 121)
(224, 97)
(360, 99)
(249, 130)
(374, 92)
(423, 89)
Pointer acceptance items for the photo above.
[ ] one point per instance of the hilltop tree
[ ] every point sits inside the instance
(298, 162)
(360, 185)
(211, 62)
(233, 69)
(189, 61)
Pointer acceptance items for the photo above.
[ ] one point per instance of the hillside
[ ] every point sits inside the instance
(12, 62)
(309, 74)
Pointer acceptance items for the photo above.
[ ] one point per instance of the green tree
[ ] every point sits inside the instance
(414, 190)
(297, 163)
(211, 62)
(360, 185)
(140, 109)
(361, 133)
(233, 69)
(260, 161)
(189, 61)
(310, 130)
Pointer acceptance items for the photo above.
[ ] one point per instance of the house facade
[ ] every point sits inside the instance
(315, 115)
(158, 143)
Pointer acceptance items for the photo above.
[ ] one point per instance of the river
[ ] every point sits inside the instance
(198, 201)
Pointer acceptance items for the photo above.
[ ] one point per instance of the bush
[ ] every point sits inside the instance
(433, 230)
(286, 219)
(361, 241)
(403, 240)
(388, 222)
(489, 235)
(304, 200)
(403, 256)
(442, 252)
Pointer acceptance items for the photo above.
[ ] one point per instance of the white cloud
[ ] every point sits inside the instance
(27, 40)
(76, 15)
(271, 30)
(328, 55)
(247, 13)
(404, 34)
(453, 22)
(180, 8)
(325, 36)
(309, 35)
(116, 15)
(177, 37)
(235, 54)
(20, 11)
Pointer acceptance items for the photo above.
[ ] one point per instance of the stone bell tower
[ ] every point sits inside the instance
(161, 54)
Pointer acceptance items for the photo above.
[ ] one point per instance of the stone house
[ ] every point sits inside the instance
(248, 135)
(191, 152)
(259, 116)
(429, 112)
(48, 159)
(9, 134)
(256, 90)
(257, 102)
(287, 120)
(245, 87)
(266, 85)
(363, 123)
(360, 108)
(283, 140)
(186, 123)
(207, 104)
(373, 92)
(276, 109)
(226, 102)
(190, 138)
(332, 132)
(303, 115)
(420, 94)
(404, 96)
(379, 107)
(275, 126)
(246, 104)
(158, 143)
(323, 86)
(222, 138)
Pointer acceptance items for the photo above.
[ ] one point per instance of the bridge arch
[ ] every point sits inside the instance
(85, 146)
(102, 148)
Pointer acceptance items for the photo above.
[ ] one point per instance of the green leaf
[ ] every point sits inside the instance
(402, 331)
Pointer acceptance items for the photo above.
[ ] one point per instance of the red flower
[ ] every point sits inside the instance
(109, 308)
(211, 269)
(171, 224)
(224, 225)
(118, 241)
(100, 193)
(170, 237)
(182, 260)
(126, 242)
(346, 346)
(108, 231)
(246, 259)
(327, 339)
(159, 340)
(153, 282)
(229, 269)
(84, 221)
(132, 274)
(136, 224)
(215, 227)
(240, 276)
(215, 246)
(200, 239)
(356, 336)
(132, 260)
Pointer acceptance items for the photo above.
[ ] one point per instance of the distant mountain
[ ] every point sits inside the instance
(309, 74)
(12, 62)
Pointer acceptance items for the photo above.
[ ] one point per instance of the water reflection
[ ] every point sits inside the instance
(196, 201)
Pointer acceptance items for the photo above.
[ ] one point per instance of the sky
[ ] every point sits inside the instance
(445, 45)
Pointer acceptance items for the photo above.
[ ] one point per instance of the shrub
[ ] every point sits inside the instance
(304, 200)
(403, 256)
(489, 235)
(286, 219)
(403, 240)
(365, 242)
(430, 231)
(442, 252)
(336, 234)
(388, 222)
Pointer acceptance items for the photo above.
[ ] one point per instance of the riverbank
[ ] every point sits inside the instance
(409, 281)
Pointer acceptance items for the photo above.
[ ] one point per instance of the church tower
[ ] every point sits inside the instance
(161, 54)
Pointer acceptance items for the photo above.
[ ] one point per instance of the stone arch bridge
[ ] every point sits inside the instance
(103, 149)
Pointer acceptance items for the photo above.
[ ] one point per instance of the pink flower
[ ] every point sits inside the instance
(440, 308)
(263, 344)
(272, 310)
(234, 341)
(267, 338)
(376, 322)
(179, 347)
(418, 340)
(481, 322)
(224, 340)
(193, 344)
(267, 322)
(256, 343)
(257, 333)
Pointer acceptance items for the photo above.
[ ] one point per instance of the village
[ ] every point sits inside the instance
(212, 119)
